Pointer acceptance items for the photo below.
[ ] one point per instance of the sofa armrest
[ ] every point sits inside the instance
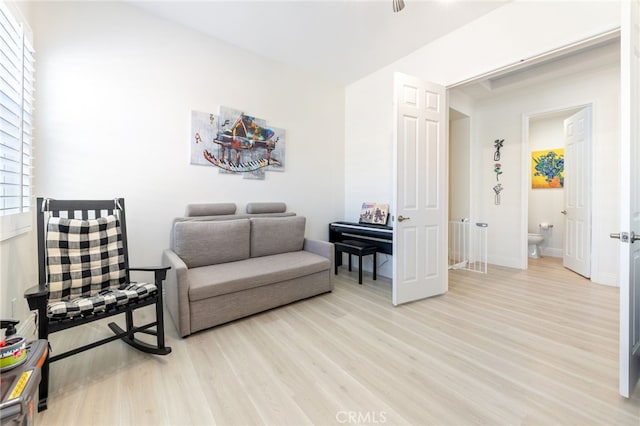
(177, 292)
(324, 249)
(321, 248)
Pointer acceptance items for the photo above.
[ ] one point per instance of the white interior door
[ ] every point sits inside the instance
(577, 193)
(630, 199)
(420, 190)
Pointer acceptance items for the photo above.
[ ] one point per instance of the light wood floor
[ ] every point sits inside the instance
(535, 347)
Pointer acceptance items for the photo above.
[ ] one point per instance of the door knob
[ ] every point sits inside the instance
(625, 237)
(563, 212)
(402, 218)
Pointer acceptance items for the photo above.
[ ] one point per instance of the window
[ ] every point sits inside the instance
(16, 108)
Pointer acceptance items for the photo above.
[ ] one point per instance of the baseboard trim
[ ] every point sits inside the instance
(551, 252)
(607, 279)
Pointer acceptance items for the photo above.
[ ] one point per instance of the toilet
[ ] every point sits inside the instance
(534, 240)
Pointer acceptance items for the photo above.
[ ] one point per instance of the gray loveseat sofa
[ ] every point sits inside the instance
(227, 266)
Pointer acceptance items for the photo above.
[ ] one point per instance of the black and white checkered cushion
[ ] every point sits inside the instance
(86, 270)
(103, 301)
(84, 257)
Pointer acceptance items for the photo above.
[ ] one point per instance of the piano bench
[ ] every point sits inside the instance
(360, 249)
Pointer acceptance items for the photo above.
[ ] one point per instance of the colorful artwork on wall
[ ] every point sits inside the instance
(547, 168)
(374, 213)
(236, 143)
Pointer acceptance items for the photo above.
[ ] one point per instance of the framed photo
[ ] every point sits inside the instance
(374, 213)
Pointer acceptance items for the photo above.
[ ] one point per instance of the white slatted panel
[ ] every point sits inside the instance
(17, 67)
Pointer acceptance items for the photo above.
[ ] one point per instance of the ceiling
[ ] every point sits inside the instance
(340, 41)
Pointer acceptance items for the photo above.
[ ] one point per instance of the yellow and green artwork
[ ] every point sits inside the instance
(547, 168)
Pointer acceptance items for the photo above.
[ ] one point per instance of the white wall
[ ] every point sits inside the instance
(368, 144)
(115, 89)
(546, 204)
(368, 151)
(18, 271)
(516, 31)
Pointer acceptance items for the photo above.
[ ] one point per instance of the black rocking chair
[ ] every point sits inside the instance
(84, 270)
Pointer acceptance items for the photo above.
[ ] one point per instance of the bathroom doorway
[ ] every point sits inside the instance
(559, 204)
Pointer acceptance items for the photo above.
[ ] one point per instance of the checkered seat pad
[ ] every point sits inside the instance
(86, 267)
(104, 301)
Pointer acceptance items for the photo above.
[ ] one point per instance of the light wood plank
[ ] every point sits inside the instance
(509, 347)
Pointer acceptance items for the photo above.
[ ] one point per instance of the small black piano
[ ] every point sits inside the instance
(376, 235)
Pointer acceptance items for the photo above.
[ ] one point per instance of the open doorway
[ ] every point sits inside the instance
(558, 146)
(496, 107)
(467, 238)
(459, 162)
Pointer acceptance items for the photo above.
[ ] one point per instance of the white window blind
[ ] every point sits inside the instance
(16, 109)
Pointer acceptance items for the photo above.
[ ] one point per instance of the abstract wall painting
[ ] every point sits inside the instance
(236, 143)
(547, 168)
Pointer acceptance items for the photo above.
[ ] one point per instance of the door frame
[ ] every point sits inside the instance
(587, 42)
(629, 340)
(526, 172)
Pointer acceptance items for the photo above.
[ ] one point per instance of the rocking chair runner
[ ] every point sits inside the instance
(84, 270)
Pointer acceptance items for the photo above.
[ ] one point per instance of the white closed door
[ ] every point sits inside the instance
(420, 190)
(629, 352)
(577, 193)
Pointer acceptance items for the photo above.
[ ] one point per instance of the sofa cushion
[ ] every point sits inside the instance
(275, 235)
(209, 243)
(211, 281)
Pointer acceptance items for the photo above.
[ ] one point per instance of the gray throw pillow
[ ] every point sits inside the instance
(276, 235)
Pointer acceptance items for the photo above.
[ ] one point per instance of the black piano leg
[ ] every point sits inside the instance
(349, 262)
(360, 270)
(335, 259)
(375, 265)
